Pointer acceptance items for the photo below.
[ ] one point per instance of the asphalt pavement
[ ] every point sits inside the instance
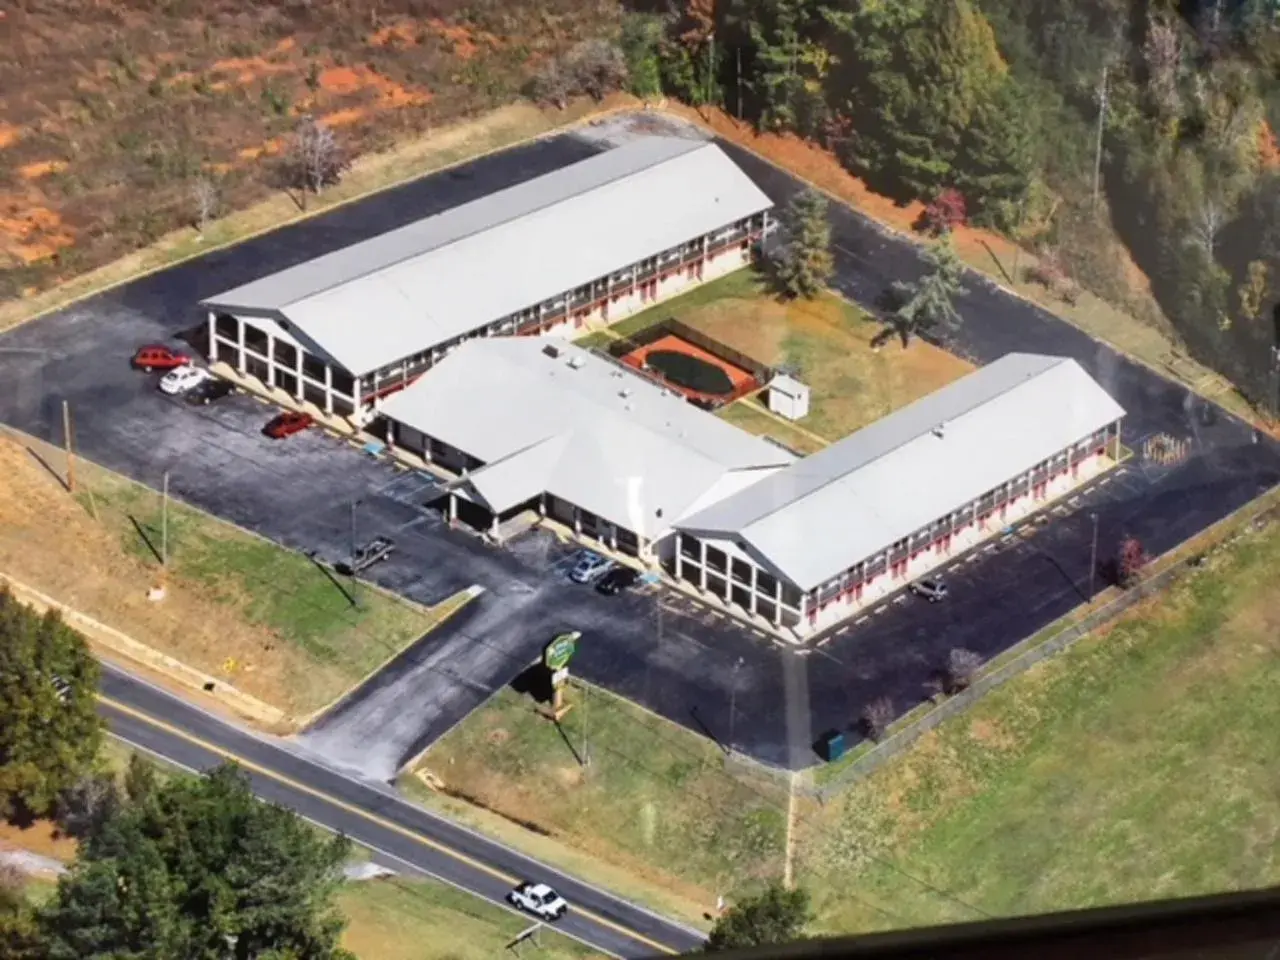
(405, 837)
(682, 660)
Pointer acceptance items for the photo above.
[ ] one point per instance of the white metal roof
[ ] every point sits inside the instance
(582, 428)
(405, 291)
(844, 504)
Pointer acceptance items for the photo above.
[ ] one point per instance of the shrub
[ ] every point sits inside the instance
(1130, 561)
(945, 212)
(876, 717)
(962, 666)
(597, 68)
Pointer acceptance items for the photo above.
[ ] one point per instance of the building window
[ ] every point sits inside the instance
(313, 367)
(741, 571)
(343, 382)
(286, 354)
(689, 548)
(255, 339)
(228, 326)
(765, 583)
(716, 559)
(790, 596)
(313, 394)
(343, 408)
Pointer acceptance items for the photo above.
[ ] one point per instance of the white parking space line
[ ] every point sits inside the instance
(861, 620)
(881, 609)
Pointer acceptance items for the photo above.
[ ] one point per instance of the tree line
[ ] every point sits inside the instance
(166, 866)
(1063, 123)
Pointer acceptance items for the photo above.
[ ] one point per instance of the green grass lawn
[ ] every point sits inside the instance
(1139, 764)
(826, 341)
(748, 414)
(656, 815)
(399, 919)
(271, 593)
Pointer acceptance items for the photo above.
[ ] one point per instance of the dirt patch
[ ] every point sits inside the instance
(41, 838)
(41, 168)
(159, 95)
(30, 233)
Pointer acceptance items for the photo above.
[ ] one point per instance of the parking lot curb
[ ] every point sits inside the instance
(105, 637)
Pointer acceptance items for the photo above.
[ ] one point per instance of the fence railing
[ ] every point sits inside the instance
(1018, 659)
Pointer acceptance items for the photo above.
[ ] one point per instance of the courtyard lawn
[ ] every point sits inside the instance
(1140, 764)
(749, 414)
(657, 815)
(826, 341)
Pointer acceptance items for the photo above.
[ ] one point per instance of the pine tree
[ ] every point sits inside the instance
(787, 68)
(641, 41)
(998, 156)
(917, 74)
(804, 263)
(928, 303)
(777, 915)
(49, 728)
(195, 865)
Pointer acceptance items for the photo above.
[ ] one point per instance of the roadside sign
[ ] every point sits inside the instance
(560, 651)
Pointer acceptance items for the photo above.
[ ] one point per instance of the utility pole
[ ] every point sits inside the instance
(586, 756)
(164, 525)
(711, 64)
(1093, 556)
(733, 703)
(738, 79)
(1102, 116)
(353, 529)
(66, 439)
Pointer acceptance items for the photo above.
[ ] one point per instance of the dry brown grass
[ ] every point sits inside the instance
(114, 109)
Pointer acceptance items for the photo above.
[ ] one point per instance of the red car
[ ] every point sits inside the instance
(287, 424)
(154, 356)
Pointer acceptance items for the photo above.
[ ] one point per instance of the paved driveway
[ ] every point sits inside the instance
(679, 659)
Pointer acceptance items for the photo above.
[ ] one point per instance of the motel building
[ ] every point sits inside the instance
(531, 429)
(834, 533)
(587, 244)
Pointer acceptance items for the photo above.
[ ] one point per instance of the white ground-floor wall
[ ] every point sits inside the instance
(728, 571)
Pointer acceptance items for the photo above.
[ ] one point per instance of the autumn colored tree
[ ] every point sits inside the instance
(1131, 559)
(876, 717)
(944, 212)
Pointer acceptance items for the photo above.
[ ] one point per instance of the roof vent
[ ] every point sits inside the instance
(577, 362)
(624, 392)
(551, 350)
(940, 430)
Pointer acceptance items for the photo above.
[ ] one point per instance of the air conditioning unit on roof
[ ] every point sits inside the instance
(551, 350)
(577, 362)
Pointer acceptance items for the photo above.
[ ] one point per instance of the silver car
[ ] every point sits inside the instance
(590, 566)
(933, 590)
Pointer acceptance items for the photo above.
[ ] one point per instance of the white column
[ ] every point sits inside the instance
(453, 507)
(577, 521)
(271, 361)
(297, 372)
(755, 579)
(240, 339)
(213, 339)
(777, 601)
(328, 388)
(679, 556)
(702, 564)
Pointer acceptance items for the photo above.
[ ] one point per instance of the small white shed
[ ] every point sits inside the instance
(788, 397)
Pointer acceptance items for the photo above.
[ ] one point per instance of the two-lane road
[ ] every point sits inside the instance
(371, 815)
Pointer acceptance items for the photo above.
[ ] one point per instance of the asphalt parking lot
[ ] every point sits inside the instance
(678, 658)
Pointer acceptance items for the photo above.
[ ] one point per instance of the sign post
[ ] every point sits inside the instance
(555, 657)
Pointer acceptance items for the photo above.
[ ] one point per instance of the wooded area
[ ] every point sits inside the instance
(1074, 126)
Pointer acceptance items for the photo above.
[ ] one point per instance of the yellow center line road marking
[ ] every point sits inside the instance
(366, 815)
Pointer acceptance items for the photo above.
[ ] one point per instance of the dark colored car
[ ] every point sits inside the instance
(376, 550)
(617, 580)
(287, 424)
(210, 391)
(155, 356)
